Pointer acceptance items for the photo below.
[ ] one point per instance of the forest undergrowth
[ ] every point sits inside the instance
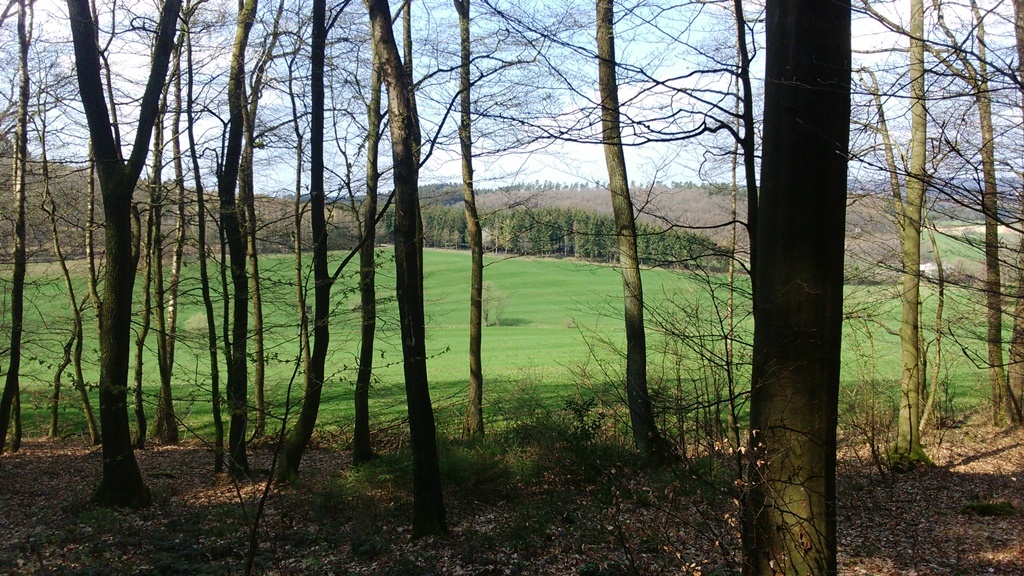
(521, 502)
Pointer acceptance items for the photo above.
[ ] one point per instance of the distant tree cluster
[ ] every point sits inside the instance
(565, 233)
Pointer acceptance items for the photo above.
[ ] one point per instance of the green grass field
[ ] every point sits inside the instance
(561, 319)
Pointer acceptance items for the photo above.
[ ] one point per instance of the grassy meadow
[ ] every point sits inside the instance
(559, 332)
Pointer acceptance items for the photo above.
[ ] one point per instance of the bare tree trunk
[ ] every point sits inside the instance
(143, 333)
(315, 368)
(975, 74)
(121, 483)
(473, 423)
(165, 427)
(230, 216)
(73, 350)
(11, 381)
(204, 274)
(247, 220)
(362, 448)
(926, 412)
(645, 431)
(180, 235)
(747, 140)
(1016, 368)
(789, 521)
(908, 438)
(429, 516)
(300, 284)
(1005, 404)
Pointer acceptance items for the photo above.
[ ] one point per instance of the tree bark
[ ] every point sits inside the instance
(473, 423)
(748, 140)
(204, 274)
(165, 426)
(645, 432)
(72, 351)
(428, 499)
(238, 376)
(180, 235)
(1005, 405)
(1016, 368)
(789, 522)
(933, 389)
(909, 213)
(362, 448)
(143, 332)
(313, 381)
(11, 381)
(121, 483)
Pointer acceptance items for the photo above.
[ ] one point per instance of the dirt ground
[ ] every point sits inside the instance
(618, 521)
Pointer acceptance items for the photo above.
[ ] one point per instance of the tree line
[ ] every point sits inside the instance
(564, 233)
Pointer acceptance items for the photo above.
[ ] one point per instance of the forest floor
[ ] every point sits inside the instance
(509, 514)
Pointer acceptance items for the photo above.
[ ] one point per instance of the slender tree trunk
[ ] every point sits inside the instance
(143, 334)
(90, 241)
(1005, 406)
(73, 350)
(362, 448)
(237, 385)
(165, 427)
(247, 199)
(247, 204)
(747, 140)
(933, 389)
(1016, 369)
(65, 361)
(909, 213)
(789, 522)
(975, 74)
(17, 296)
(121, 483)
(315, 367)
(428, 500)
(180, 235)
(735, 436)
(473, 423)
(204, 274)
(300, 281)
(645, 431)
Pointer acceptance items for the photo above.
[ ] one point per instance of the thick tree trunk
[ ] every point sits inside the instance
(17, 295)
(362, 448)
(789, 523)
(645, 432)
(121, 483)
(315, 367)
(428, 499)
(473, 423)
